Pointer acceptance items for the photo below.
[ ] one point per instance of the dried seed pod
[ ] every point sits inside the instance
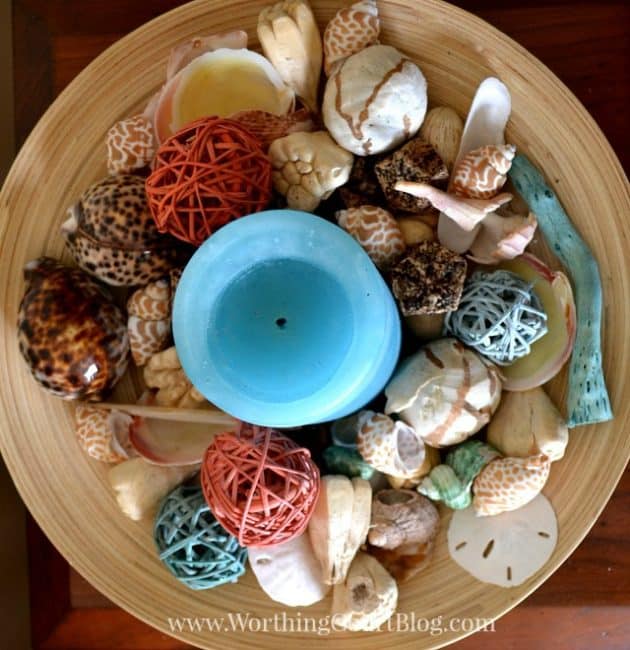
(481, 173)
(164, 372)
(442, 129)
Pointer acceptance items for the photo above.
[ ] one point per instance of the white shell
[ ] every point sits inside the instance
(289, 573)
(522, 542)
(374, 100)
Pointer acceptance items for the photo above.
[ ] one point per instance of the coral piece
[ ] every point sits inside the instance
(308, 167)
(103, 434)
(417, 162)
(71, 334)
(131, 145)
(111, 235)
(192, 544)
(377, 232)
(442, 129)
(507, 549)
(481, 173)
(290, 39)
(445, 391)
(261, 486)
(289, 573)
(366, 598)
(268, 127)
(207, 174)
(503, 236)
(429, 279)
(351, 30)
(509, 483)
(374, 100)
(346, 461)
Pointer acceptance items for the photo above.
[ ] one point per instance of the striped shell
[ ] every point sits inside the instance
(131, 145)
(377, 232)
(351, 30)
(103, 434)
(391, 447)
(149, 322)
(268, 127)
(481, 173)
(509, 483)
(445, 391)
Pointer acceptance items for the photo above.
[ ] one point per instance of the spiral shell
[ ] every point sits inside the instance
(377, 232)
(131, 144)
(103, 434)
(481, 173)
(351, 30)
(509, 483)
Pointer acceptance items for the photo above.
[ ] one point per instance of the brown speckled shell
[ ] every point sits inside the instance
(111, 234)
(72, 336)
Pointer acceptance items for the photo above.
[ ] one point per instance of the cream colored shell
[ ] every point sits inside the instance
(375, 100)
(442, 128)
(308, 167)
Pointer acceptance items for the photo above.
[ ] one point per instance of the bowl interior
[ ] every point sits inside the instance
(69, 495)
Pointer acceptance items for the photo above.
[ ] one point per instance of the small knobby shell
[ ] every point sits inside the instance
(509, 483)
(376, 230)
(131, 144)
(481, 173)
(103, 434)
(149, 322)
(442, 129)
(351, 30)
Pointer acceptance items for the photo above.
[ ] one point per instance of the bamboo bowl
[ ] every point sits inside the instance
(68, 493)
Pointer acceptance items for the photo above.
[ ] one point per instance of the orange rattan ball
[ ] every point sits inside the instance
(260, 485)
(205, 175)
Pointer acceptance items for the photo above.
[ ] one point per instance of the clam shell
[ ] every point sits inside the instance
(131, 144)
(481, 173)
(103, 434)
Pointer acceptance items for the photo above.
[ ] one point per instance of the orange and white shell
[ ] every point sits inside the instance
(506, 484)
(376, 230)
(103, 434)
(149, 321)
(268, 127)
(351, 30)
(131, 144)
(481, 173)
(391, 447)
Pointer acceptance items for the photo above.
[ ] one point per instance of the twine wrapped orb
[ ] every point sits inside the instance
(192, 543)
(207, 174)
(261, 486)
(499, 315)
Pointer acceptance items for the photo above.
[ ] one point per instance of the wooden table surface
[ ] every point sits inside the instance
(586, 603)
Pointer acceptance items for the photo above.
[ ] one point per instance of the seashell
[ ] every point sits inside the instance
(485, 125)
(71, 334)
(131, 145)
(220, 83)
(431, 459)
(164, 372)
(416, 161)
(509, 483)
(503, 236)
(351, 30)
(339, 524)
(184, 53)
(374, 100)
(268, 127)
(308, 167)
(442, 129)
(346, 461)
(290, 39)
(377, 232)
(391, 447)
(289, 573)
(103, 434)
(527, 423)
(415, 231)
(366, 598)
(445, 391)
(149, 321)
(111, 234)
(481, 173)
(507, 549)
(344, 431)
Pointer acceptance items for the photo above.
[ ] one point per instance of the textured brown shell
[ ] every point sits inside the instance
(131, 144)
(481, 173)
(72, 336)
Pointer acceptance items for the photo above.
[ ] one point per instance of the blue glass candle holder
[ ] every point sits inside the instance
(281, 319)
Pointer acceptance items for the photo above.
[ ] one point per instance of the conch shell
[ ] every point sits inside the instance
(149, 321)
(290, 39)
(308, 167)
(503, 236)
(103, 433)
(481, 173)
(509, 483)
(376, 230)
(131, 144)
(268, 127)
(351, 30)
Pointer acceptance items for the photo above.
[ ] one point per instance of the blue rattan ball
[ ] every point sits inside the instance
(193, 545)
(499, 316)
